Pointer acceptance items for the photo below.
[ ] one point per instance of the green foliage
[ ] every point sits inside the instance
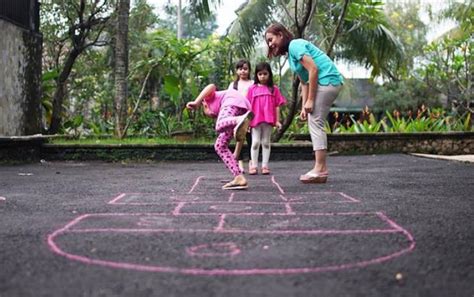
(47, 85)
(448, 68)
(404, 18)
(409, 94)
(424, 120)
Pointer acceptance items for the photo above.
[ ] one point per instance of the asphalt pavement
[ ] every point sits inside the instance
(383, 225)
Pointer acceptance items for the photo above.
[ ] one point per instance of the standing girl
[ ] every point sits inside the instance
(242, 80)
(232, 111)
(242, 83)
(320, 85)
(265, 99)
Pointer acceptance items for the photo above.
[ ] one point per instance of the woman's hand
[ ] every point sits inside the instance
(303, 115)
(308, 106)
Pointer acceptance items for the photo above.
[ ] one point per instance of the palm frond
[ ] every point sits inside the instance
(375, 47)
(202, 7)
(253, 17)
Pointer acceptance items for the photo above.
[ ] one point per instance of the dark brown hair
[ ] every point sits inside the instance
(240, 64)
(264, 66)
(279, 29)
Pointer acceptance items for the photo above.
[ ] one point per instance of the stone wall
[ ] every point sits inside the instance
(21, 149)
(20, 80)
(448, 143)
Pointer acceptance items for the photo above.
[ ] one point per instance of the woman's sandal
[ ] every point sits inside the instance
(314, 178)
(265, 171)
(232, 185)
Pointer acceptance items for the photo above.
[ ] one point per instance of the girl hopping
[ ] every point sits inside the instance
(232, 111)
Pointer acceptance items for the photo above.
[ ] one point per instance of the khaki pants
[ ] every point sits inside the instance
(324, 99)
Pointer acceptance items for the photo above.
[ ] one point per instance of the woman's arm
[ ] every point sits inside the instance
(304, 97)
(308, 63)
(208, 90)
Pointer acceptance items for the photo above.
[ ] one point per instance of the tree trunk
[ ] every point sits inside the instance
(294, 102)
(338, 29)
(60, 92)
(179, 35)
(121, 67)
(292, 110)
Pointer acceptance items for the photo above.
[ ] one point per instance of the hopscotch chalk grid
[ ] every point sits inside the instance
(249, 233)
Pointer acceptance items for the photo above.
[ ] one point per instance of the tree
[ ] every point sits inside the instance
(121, 67)
(71, 28)
(447, 66)
(406, 24)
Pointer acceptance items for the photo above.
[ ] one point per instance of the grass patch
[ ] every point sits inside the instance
(129, 140)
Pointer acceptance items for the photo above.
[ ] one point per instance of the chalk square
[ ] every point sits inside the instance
(316, 222)
(225, 207)
(256, 197)
(144, 221)
(319, 197)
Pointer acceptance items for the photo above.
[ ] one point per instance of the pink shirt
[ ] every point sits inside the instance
(264, 104)
(220, 99)
(242, 86)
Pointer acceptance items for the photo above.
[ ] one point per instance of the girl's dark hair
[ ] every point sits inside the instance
(241, 63)
(264, 66)
(278, 29)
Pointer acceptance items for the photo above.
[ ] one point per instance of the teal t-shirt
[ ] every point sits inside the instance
(327, 71)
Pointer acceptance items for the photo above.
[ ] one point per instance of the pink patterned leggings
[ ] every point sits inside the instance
(226, 121)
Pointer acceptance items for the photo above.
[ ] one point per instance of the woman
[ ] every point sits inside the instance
(320, 85)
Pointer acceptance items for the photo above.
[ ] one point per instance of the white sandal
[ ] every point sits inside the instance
(312, 177)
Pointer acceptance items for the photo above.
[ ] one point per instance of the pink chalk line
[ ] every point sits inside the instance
(277, 185)
(177, 210)
(3, 199)
(114, 201)
(230, 249)
(220, 226)
(236, 231)
(289, 210)
(348, 197)
(232, 199)
(195, 184)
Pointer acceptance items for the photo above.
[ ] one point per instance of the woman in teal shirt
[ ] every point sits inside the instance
(320, 85)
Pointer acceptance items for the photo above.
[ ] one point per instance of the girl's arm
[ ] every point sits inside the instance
(278, 123)
(206, 92)
(308, 63)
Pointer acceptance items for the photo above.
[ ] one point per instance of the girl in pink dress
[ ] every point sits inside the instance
(265, 99)
(232, 111)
